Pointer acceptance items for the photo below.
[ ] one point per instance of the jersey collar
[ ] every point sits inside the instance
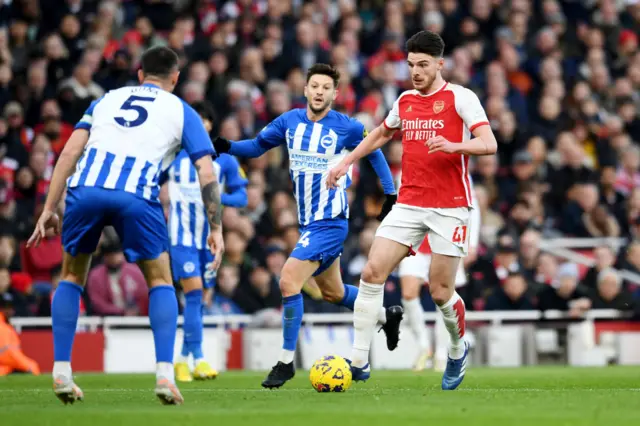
(155, 86)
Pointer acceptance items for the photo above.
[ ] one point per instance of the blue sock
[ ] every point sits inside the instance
(350, 294)
(185, 348)
(65, 309)
(193, 323)
(291, 320)
(163, 315)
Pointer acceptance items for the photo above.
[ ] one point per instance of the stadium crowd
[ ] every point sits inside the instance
(559, 79)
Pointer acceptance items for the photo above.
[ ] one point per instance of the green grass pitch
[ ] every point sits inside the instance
(537, 396)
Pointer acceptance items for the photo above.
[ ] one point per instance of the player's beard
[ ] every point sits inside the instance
(317, 111)
(426, 83)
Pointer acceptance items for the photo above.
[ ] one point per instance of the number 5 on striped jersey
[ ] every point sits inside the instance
(129, 105)
(304, 239)
(460, 234)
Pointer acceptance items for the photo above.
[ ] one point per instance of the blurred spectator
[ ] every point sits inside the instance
(18, 299)
(490, 272)
(529, 253)
(41, 260)
(227, 282)
(511, 296)
(610, 294)
(117, 287)
(605, 258)
(564, 293)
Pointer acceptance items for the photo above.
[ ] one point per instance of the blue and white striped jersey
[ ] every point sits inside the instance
(314, 149)
(188, 224)
(135, 133)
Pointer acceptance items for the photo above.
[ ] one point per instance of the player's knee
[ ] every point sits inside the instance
(440, 291)
(75, 268)
(288, 286)
(372, 273)
(73, 278)
(410, 291)
(191, 284)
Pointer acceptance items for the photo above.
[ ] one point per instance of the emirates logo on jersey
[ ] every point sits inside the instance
(418, 124)
(438, 106)
(422, 130)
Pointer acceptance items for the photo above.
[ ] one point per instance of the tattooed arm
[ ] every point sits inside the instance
(211, 199)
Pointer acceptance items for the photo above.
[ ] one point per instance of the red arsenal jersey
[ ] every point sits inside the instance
(435, 180)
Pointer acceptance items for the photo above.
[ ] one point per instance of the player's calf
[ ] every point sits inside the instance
(336, 295)
(294, 273)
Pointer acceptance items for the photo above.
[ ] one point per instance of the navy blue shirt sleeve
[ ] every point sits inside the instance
(235, 183)
(195, 139)
(356, 132)
(233, 173)
(381, 167)
(271, 136)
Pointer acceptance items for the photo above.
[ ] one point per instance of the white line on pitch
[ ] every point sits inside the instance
(203, 390)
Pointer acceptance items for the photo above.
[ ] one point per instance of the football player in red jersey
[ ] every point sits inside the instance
(442, 125)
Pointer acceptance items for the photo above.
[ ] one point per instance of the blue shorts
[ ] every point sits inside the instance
(322, 241)
(189, 262)
(139, 223)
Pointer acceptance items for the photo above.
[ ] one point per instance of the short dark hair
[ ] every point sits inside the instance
(324, 69)
(426, 42)
(159, 61)
(205, 110)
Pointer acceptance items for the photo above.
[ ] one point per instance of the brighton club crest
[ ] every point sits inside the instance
(438, 106)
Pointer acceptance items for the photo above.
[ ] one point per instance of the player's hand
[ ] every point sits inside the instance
(221, 145)
(441, 144)
(389, 201)
(216, 242)
(336, 173)
(48, 220)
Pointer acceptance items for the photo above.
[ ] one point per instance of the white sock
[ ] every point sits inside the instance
(442, 340)
(453, 313)
(165, 370)
(382, 316)
(287, 356)
(197, 361)
(62, 368)
(415, 319)
(365, 316)
(184, 359)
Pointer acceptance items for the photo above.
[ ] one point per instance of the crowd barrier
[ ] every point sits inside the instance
(499, 339)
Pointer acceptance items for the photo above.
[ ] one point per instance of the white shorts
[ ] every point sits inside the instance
(447, 229)
(418, 266)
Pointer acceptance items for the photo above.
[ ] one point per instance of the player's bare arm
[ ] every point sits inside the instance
(484, 143)
(64, 168)
(211, 198)
(374, 140)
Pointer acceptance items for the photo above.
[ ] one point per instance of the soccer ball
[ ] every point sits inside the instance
(330, 373)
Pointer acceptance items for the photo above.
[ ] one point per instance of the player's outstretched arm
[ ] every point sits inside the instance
(271, 136)
(249, 148)
(210, 189)
(374, 140)
(64, 168)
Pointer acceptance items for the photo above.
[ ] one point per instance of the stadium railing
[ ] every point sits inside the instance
(493, 317)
